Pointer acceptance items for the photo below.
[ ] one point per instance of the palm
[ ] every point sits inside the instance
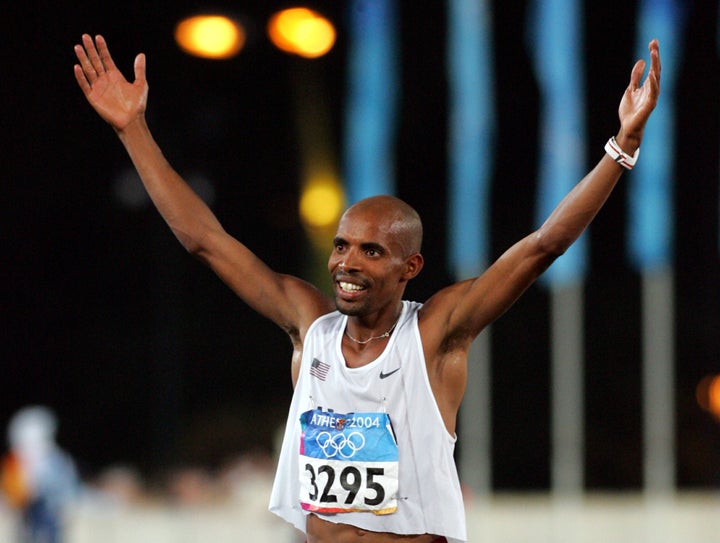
(115, 99)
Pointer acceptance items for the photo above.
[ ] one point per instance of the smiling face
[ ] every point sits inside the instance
(376, 251)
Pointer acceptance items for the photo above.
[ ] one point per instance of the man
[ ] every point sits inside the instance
(367, 454)
(37, 477)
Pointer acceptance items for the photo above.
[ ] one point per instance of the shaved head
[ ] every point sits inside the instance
(400, 219)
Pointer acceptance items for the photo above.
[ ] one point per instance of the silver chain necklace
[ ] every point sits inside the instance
(368, 340)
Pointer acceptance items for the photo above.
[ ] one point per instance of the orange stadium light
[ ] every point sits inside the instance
(708, 394)
(301, 31)
(210, 36)
(321, 202)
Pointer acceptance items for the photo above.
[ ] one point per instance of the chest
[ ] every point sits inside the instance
(357, 356)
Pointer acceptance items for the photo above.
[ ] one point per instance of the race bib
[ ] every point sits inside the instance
(348, 463)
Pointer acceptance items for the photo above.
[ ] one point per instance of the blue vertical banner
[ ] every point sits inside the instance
(471, 134)
(555, 41)
(369, 140)
(650, 194)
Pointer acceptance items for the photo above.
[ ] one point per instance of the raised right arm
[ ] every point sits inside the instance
(288, 301)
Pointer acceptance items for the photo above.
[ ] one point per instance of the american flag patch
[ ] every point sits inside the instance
(319, 369)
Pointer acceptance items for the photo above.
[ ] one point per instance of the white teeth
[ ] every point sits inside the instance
(350, 287)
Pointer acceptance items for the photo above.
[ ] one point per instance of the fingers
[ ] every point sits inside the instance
(85, 66)
(655, 65)
(636, 74)
(92, 54)
(651, 86)
(654, 47)
(83, 53)
(82, 80)
(94, 58)
(653, 77)
(104, 53)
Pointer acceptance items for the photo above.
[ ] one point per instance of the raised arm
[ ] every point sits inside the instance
(287, 301)
(460, 312)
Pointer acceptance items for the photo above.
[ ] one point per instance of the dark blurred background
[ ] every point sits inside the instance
(148, 359)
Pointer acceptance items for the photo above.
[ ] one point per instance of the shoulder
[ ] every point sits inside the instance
(325, 322)
(411, 308)
(437, 321)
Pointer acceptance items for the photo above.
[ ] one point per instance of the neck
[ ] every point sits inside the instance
(384, 335)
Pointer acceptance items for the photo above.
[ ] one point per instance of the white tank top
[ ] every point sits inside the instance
(429, 499)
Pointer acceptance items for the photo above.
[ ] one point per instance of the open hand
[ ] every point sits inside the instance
(638, 101)
(115, 99)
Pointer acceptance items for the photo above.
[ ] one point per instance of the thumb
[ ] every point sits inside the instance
(140, 67)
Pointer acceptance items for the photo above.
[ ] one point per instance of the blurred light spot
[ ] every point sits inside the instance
(302, 32)
(203, 187)
(321, 203)
(131, 193)
(708, 394)
(129, 190)
(210, 36)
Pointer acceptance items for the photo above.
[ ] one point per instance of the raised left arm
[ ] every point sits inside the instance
(457, 314)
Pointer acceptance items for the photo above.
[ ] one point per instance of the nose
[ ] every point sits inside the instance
(349, 261)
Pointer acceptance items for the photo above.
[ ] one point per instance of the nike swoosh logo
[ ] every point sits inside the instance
(388, 374)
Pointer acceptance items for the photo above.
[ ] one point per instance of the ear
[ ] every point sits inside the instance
(413, 264)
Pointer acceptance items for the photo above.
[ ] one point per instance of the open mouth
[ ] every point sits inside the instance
(350, 288)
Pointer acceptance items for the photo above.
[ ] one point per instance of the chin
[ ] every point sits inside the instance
(348, 308)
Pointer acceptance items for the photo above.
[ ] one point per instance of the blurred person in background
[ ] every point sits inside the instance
(38, 479)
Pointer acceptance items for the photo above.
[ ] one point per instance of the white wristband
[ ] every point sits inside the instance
(621, 157)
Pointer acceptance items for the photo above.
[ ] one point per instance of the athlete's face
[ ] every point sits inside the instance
(368, 265)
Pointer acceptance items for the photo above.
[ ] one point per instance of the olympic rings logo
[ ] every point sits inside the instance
(340, 444)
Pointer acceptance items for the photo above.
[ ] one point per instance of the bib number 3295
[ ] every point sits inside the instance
(348, 463)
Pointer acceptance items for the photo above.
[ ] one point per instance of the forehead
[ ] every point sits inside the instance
(369, 226)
